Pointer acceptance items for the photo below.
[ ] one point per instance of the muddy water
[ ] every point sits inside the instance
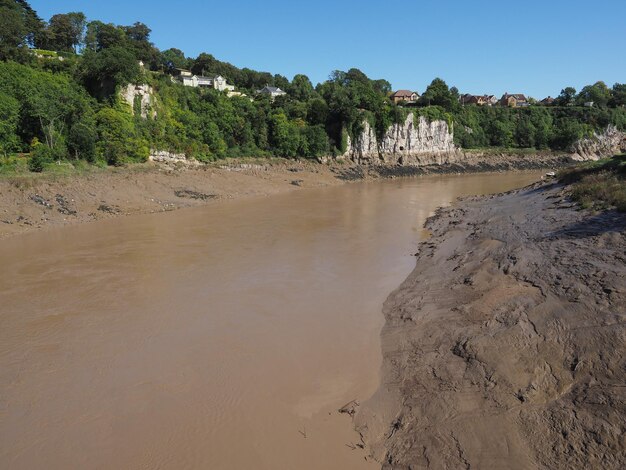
(221, 337)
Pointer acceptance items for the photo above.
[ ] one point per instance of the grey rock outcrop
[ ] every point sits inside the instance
(414, 142)
(145, 94)
(170, 158)
(605, 144)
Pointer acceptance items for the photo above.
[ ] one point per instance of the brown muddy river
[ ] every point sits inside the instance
(221, 337)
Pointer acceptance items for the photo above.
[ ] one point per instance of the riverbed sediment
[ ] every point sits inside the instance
(505, 346)
(35, 201)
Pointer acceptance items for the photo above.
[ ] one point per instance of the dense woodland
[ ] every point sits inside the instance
(59, 100)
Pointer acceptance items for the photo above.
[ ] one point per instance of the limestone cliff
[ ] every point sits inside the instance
(144, 94)
(607, 143)
(414, 142)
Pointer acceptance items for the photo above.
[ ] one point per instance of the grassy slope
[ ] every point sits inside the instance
(600, 184)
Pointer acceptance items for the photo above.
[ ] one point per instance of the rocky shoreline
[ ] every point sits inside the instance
(31, 202)
(505, 346)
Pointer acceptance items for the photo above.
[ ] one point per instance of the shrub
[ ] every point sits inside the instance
(39, 158)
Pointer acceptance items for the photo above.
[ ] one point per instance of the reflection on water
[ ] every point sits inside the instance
(215, 337)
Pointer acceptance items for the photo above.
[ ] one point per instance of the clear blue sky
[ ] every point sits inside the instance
(535, 47)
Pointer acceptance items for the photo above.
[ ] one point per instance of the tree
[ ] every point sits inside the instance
(500, 131)
(204, 63)
(598, 94)
(316, 140)
(9, 120)
(525, 133)
(300, 88)
(567, 97)
(82, 140)
(19, 27)
(284, 136)
(281, 82)
(173, 59)
(65, 32)
(618, 94)
(102, 72)
(101, 36)
(49, 103)
(138, 40)
(137, 32)
(438, 94)
(118, 141)
(317, 112)
(566, 132)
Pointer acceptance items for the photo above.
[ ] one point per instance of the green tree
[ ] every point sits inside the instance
(102, 72)
(567, 97)
(300, 88)
(598, 94)
(82, 140)
(40, 156)
(438, 94)
(566, 132)
(118, 141)
(138, 41)
(281, 82)
(65, 32)
(173, 59)
(284, 136)
(316, 140)
(525, 133)
(317, 112)
(618, 95)
(101, 36)
(500, 132)
(9, 120)
(19, 28)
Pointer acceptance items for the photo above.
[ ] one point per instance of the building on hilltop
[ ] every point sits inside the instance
(516, 100)
(549, 101)
(272, 91)
(406, 96)
(187, 78)
(478, 100)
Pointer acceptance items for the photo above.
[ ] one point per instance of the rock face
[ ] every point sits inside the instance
(415, 142)
(605, 144)
(163, 156)
(145, 94)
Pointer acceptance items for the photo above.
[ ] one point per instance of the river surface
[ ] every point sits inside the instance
(221, 337)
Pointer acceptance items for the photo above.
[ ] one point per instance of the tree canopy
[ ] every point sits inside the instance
(62, 100)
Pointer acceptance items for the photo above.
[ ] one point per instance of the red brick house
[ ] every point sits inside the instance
(515, 100)
(407, 96)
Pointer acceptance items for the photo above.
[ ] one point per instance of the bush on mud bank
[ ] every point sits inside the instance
(599, 185)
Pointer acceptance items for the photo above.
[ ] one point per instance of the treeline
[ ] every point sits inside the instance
(60, 84)
(539, 127)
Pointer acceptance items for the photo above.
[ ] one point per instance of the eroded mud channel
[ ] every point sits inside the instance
(224, 336)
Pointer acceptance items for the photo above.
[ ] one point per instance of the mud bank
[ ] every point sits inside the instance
(37, 201)
(505, 346)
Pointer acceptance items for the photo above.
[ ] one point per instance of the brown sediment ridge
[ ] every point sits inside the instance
(505, 346)
(29, 202)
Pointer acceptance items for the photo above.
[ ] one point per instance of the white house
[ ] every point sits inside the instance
(272, 91)
(199, 81)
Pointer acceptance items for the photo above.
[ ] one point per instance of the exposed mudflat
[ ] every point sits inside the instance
(38, 201)
(505, 346)
(225, 336)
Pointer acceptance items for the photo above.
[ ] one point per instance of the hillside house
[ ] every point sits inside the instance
(549, 101)
(272, 91)
(187, 78)
(516, 100)
(406, 96)
(478, 100)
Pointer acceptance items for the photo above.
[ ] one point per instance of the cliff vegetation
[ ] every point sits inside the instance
(73, 90)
